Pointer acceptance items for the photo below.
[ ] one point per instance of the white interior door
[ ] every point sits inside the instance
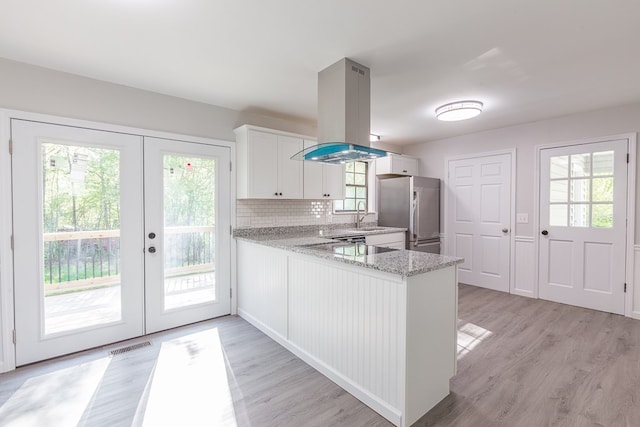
(479, 219)
(187, 222)
(78, 223)
(83, 214)
(583, 190)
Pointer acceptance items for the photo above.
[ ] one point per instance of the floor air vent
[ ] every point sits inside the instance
(129, 348)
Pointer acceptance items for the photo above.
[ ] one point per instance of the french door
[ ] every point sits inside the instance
(186, 232)
(479, 219)
(583, 193)
(86, 204)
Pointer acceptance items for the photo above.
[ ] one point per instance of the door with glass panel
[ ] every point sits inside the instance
(583, 193)
(82, 250)
(187, 237)
(78, 223)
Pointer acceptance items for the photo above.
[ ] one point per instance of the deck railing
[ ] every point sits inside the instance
(77, 258)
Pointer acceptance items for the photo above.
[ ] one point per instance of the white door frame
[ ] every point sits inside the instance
(512, 205)
(631, 209)
(7, 347)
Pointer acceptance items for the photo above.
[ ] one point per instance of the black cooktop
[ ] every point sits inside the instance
(354, 251)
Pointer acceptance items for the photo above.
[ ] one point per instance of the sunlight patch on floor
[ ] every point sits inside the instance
(58, 398)
(469, 336)
(189, 386)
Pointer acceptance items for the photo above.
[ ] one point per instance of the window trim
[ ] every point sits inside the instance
(366, 187)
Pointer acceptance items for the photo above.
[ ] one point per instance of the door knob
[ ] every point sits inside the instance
(505, 230)
(152, 235)
(544, 232)
(152, 250)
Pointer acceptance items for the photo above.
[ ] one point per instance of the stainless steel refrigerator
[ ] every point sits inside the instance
(412, 202)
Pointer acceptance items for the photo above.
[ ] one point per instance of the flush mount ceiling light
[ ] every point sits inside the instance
(459, 110)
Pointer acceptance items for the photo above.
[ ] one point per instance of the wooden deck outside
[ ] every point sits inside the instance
(94, 306)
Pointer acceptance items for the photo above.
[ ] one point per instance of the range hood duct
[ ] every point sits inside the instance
(344, 116)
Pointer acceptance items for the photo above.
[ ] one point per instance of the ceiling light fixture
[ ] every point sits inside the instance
(459, 110)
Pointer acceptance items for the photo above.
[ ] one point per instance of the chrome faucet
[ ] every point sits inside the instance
(358, 217)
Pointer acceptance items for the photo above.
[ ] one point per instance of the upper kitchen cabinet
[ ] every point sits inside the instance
(396, 164)
(265, 168)
(323, 181)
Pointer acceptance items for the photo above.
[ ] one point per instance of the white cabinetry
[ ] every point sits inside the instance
(395, 164)
(264, 294)
(388, 340)
(265, 168)
(323, 181)
(389, 240)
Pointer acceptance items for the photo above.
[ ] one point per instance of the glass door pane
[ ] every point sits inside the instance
(81, 236)
(189, 230)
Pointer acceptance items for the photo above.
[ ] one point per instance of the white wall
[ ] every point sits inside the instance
(524, 138)
(40, 90)
(611, 121)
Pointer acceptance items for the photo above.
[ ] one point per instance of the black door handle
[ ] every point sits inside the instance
(544, 232)
(152, 250)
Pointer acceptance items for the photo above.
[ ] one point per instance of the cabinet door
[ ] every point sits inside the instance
(404, 165)
(333, 180)
(389, 240)
(289, 171)
(396, 165)
(313, 177)
(263, 161)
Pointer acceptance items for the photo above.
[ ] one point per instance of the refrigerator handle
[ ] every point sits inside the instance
(416, 215)
(412, 217)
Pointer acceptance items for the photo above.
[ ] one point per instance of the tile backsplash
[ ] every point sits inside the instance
(251, 213)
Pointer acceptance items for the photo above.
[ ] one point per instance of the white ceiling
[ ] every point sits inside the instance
(526, 60)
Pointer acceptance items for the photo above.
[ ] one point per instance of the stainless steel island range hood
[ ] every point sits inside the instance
(344, 116)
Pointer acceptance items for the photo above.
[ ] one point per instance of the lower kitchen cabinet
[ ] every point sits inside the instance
(389, 240)
(388, 340)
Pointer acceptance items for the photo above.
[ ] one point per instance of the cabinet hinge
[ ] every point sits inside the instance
(230, 166)
(10, 146)
(627, 157)
(625, 288)
(14, 336)
(230, 293)
(231, 230)
(12, 242)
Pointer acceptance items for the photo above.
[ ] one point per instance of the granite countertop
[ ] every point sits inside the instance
(404, 263)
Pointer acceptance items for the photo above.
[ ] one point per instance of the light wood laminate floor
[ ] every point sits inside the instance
(522, 362)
